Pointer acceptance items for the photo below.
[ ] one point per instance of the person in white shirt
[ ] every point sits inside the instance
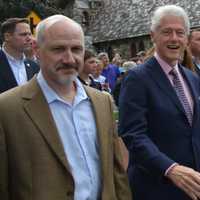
(15, 68)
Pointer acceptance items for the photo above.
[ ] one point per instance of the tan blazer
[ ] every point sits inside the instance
(33, 164)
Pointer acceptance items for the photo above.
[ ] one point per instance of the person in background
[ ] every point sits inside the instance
(15, 68)
(100, 78)
(159, 115)
(141, 55)
(126, 67)
(186, 60)
(97, 72)
(57, 136)
(30, 51)
(117, 60)
(194, 46)
(90, 64)
(111, 72)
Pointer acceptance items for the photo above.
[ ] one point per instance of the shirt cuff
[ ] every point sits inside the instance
(167, 171)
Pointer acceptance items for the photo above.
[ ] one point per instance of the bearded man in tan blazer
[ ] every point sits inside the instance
(57, 137)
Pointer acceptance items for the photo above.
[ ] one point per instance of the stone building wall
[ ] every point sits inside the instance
(125, 24)
(121, 25)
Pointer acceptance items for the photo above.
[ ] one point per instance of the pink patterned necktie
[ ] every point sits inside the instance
(181, 94)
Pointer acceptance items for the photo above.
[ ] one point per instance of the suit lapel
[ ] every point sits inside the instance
(101, 123)
(28, 70)
(6, 71)
(158, 75)
(37, 108)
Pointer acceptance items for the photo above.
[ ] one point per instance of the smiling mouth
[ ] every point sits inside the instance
(172, 46)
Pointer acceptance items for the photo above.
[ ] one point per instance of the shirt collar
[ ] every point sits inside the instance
(165, 66)
(52, 96)
(12, 58)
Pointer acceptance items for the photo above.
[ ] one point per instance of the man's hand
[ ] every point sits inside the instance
(186, 179)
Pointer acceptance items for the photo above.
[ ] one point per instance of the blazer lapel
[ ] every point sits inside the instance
(28, 70)
(34, 105)
(157, 74)
(6, 71)
(101, 123)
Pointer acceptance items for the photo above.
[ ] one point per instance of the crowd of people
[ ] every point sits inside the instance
(59, 138)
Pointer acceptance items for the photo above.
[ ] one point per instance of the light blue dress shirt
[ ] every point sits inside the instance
(18, 68)
(77, 130)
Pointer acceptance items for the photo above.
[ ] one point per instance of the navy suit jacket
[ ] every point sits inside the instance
(156, 131)
(7, 78)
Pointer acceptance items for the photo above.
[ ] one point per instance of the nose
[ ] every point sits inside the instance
(29, 38)
(29, 35)
(95, 64)
(174, 35)
(68, 57)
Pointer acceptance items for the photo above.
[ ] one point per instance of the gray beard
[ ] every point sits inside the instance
(69, 81)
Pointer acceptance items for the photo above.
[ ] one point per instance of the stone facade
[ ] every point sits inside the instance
(120, 25)
(80, 11)
(125, 24)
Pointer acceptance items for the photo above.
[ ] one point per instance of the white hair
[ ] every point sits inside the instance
(101, 55)
(48, 22)
(128, 65)
(169, 10)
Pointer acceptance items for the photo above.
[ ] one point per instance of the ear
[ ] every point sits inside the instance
(7, 37)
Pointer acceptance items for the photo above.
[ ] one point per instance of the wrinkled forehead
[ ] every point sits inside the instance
(172, 21)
